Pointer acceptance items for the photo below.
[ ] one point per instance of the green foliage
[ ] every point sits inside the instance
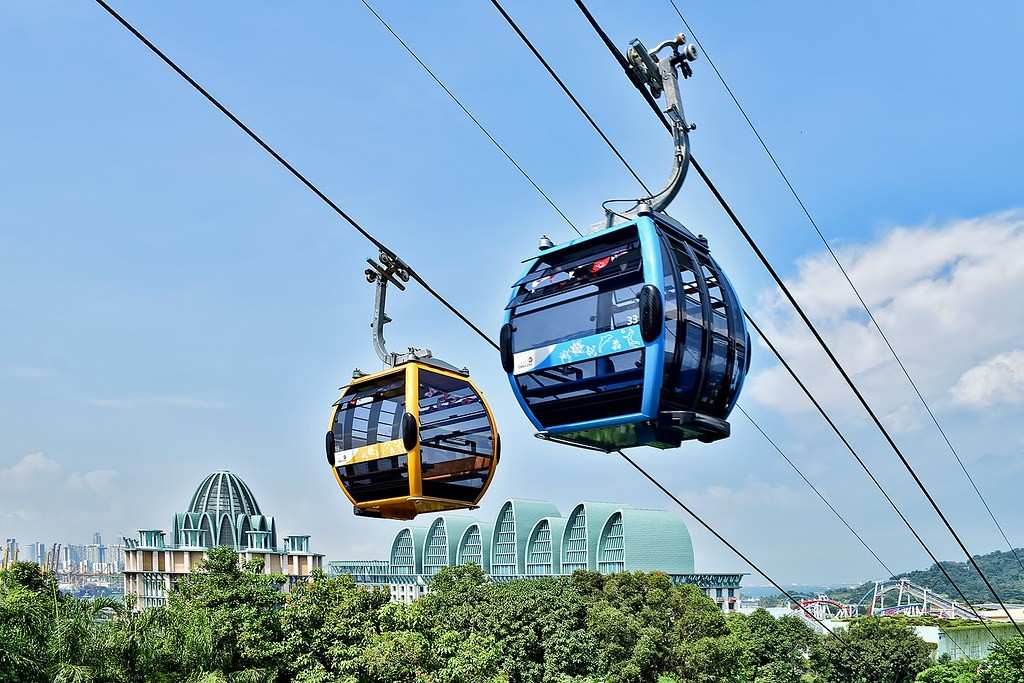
(776, 650)
(230, 623)
(875, 651)
(1005, 664)
(963, 671)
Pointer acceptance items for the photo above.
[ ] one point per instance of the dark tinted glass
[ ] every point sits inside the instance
(718, 302)
(456, 438)
(690, 365)
(586, 390)
(371, 414)
(579, 268)
(597, 308)
(376, 479)
(714, 384)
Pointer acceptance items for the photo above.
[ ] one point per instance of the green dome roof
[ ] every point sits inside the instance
(224, 493)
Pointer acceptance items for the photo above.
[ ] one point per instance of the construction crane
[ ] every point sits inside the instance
(52, 559)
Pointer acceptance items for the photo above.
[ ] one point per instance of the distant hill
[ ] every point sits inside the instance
(1001, 568)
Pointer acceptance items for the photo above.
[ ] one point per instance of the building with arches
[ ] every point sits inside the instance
(221, 511)
(529, 539)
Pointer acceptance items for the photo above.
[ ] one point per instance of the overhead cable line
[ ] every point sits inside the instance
(816, 491)
(707, 181)
(291, 169)
(849, 280)
(440, 83)
(860, 461)
(810, 326)
(540, 58)
(470, 115)
(838, 514)
(280, 159)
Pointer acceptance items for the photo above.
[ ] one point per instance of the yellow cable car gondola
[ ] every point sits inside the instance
(415, 437)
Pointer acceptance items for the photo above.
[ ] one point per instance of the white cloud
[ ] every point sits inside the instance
(946, 295)
(41, 495)
(999, 379)
(28, 468)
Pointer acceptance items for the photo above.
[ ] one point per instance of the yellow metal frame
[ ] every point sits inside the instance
(407, 507)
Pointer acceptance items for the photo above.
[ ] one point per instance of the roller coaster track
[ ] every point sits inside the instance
(914, 600)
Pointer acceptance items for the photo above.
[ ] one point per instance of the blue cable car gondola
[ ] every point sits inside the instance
(631, 335)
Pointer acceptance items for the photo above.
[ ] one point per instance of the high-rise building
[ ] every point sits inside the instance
(97, 539)
(10, 551)
(222, 512)
(36, 553)
(528, 539)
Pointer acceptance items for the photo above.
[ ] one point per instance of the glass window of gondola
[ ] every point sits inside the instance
(456, 438)
(591, 292)
(370, 414)
(572, 295)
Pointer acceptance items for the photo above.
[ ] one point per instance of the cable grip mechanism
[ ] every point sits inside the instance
(389, 270)
(660, 76)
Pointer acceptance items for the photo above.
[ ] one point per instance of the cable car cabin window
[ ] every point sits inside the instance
(581, 267)
(456, 438)
(714, 379)
(689, 367)
(371, 414)
(585, 390)
(595, 296)
(376, 479)
(595, 309)
(719, 321)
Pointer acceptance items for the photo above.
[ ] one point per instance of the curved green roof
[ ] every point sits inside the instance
(475, 545)
(407, 550)
(546, 554)
(516, 519)
(604, 537)
(653, 540)
(441, 544)
(582, 532)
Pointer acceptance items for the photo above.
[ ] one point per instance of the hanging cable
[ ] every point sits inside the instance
(469, 114)
(291, 169)
(654, 105)
(867, 470)
(546, 197)
(810, 326)
(849, 280)
(568, 92)
(816, 491)
(836, 512)
(280, 159)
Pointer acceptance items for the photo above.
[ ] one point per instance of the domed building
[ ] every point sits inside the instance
(221, 512)
(531, 538)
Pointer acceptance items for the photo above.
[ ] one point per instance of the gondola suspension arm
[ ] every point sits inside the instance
(660, 75)
(390, 269)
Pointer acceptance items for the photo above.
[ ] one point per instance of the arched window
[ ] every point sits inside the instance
(575, 551)
(504, 563)
(611, 555)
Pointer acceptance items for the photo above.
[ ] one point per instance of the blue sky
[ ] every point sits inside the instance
(173, 302)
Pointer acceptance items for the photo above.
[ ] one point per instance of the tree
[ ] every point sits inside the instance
(1005, 663)
(948, 671)
(26, 619)
(871, 651)
(225, 617)
(776, 650)
(326, 623)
